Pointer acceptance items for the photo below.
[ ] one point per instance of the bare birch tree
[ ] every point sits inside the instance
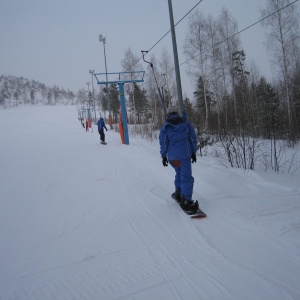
(215, 66)
(230, 44)
(130, 63)
(195, 48)
(283, 39)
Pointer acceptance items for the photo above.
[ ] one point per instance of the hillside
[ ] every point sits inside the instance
(15, 91)
(80, 220)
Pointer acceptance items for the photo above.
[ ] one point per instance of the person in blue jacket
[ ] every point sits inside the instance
(178, 146)
(101, 127)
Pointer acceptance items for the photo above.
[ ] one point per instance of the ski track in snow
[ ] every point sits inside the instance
(80, 220)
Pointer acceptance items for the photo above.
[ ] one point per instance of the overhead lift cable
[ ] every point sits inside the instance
(246, 28)
(170, 30)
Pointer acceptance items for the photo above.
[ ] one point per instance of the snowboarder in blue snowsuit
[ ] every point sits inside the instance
(178, 146)
(101, 127)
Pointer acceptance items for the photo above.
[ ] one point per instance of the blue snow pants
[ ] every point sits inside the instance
(183, 177)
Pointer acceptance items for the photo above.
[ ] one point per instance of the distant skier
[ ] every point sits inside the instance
(178, 145)
(101, 127)
(86, 125)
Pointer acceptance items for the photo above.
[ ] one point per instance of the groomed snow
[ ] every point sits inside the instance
(81, 220)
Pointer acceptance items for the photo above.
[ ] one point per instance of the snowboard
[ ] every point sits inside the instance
(199, 214)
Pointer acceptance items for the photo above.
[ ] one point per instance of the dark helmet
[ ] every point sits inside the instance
(171, 111)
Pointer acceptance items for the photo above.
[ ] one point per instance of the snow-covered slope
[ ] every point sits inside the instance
(80, 220)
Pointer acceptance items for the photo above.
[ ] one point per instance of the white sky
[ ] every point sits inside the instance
(56, 41)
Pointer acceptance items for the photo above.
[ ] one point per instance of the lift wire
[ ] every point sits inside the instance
(176, 24)
(170, 29)
(151, 65)
(246, 28)
(142, 57)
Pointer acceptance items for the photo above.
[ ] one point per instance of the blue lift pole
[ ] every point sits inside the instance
(121, 81)
(124, 115)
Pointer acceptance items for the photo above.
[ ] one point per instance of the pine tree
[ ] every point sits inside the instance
(270, 115)
(114, 101)
(141, 103)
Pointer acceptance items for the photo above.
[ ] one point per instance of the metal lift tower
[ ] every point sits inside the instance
(121, 78)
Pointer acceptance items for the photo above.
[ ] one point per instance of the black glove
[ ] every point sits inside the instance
(165, 161)
(106, 129)
(193, 157)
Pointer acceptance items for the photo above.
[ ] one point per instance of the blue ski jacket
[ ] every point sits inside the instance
(101, 125)
(177, 138)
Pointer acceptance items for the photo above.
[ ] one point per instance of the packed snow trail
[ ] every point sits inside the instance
(80, 220)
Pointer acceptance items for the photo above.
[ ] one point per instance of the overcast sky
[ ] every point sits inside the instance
(56, 42)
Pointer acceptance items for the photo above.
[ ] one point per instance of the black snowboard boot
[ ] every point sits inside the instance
(177, 195)
(189, 206)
